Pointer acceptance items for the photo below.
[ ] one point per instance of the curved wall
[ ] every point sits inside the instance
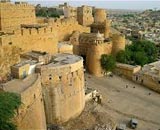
(31, 114)
(118, 43)
(100, 15)
(94, 56)
(63, 88)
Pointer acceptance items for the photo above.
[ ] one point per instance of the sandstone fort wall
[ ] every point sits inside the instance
(31, 114)
(94, 55)
(32, 39)
(100, 15)
(13, 15)
(118, 43)
(9, 55)
(63, 89)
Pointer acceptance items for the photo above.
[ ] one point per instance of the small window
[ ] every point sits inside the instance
(10, 43)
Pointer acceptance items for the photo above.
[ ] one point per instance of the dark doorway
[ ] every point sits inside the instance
(84, 60)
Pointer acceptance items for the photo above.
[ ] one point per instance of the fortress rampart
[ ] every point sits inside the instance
(63, 87)
(31, 113)
(100, 15)
(118, 43)
(94, 55)
(32, 39)
(13, 15)
(9, 55)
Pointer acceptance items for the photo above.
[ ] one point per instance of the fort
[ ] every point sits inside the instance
(51, 85)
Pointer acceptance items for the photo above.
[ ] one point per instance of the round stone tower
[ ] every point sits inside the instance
(107, 24)
(94, 55)
(118, 41)
(100, 15)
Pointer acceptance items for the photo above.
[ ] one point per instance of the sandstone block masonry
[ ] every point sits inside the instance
(19, 27)
(63, 88)
(13, 15)
(31, 114)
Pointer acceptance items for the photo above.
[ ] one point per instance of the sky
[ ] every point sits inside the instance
(108, 4)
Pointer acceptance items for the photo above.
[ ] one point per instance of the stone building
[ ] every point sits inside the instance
(149, 76)
(61, 81)
(25, 32)
(30, 115)
(84, 15)
(12, 16)
(101, 40)
(63, 87)
(70, 11)
(126, 70)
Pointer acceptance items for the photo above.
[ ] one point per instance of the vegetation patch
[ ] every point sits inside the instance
(141, 52)
(108, 62)
(9, 102)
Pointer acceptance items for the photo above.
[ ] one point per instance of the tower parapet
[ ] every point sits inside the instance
(84, 15)
(100, 15)
(118, 43)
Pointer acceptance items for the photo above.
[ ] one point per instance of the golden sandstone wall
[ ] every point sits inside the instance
(84, 15)
(118, 43)
(65, 27)
(32, 39)
(94, 55)
(9, 55)
(63, 88)
(31, 115)
(13, 15)
(147, 80)
(100, 15)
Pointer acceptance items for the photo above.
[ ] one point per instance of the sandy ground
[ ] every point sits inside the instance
(91, 119)
(123, 103)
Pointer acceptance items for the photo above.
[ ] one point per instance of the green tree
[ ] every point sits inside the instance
(108, 62)
(124, 56)
(140, 58)
(9, 102)
(139, 53)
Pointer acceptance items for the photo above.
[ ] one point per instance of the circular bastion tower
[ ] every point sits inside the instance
(100, 15)
(119, 42)
(63, 87)
(107, 25)
(96, 49)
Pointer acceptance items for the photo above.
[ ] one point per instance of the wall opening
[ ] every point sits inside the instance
(84, 60)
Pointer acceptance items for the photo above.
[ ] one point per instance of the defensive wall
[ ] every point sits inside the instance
(63, 88)
(149, 76)
(31, 114)
(9, 55)
(126, 70)
(100, 15)
(65, 27)
(41, 39)
(13, 15)
(84, 15)
(118, 41)
(94, 55)
(91, 46)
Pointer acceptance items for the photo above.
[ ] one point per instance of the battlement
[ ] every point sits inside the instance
(15, 5)
(36, 31)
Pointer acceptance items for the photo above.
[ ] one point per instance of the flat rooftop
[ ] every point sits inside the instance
(19, 85)
(64, 59)
(30, 62)
(35, 54)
